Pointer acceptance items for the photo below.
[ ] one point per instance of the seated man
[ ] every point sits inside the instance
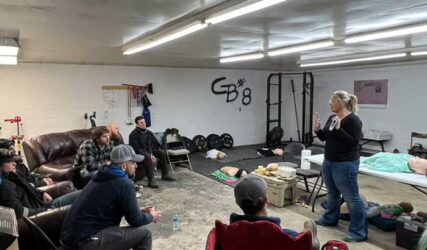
(93, 154)
(8, 147)
(115, 136)
(26, 200)
(396, 163)
(145, 143)
(93, 221)
(251, 196)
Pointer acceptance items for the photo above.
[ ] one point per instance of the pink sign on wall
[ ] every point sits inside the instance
(371, 93)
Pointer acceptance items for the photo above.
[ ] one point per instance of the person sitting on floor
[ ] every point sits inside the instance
(26, 200)
(251, 196)
(396, 163)
(93, 221)
(215, 154)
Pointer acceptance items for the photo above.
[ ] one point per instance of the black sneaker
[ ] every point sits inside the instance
(310, 226)
(168, 177)
(152, 184)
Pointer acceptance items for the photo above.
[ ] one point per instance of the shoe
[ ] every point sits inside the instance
(310, 226)
(168, 177)
(152, 184)
(349, 238)
(321, 223)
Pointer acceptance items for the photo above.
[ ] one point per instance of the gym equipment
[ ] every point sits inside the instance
(227, 140)
(214, 141)
(200, 142)
(189, 144)
(18, 137)
(307, 90)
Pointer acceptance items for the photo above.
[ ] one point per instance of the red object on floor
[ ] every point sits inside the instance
(254, 236)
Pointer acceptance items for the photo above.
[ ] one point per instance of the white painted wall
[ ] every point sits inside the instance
(406, 109)
(53, 98)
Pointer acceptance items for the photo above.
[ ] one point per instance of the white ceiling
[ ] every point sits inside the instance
(93, 32)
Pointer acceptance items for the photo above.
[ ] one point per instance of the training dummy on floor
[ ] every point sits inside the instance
(396, 163)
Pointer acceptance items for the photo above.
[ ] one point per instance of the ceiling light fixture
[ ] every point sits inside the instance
(241, 10)
(8, 60)
(241, 58)
(299, 48)
(373, 58)
(419, 53)
(141, 46)
(413, 29)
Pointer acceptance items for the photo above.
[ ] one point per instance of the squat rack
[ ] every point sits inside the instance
(308, 90)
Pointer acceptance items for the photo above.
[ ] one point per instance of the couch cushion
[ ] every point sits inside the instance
(56, 146)
(79, 135)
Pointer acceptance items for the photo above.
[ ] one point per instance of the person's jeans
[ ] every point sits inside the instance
(117, 238)
(291, 232)
(341, 178)
(66, 199)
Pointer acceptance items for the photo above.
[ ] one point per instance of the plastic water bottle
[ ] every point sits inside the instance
(175, 222)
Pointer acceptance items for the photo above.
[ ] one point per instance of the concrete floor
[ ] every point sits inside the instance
(199, 201)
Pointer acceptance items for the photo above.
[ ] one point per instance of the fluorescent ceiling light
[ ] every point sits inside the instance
(387, 33)
(8, 47)
(299, 48)
(8, 60)
(373, 58)
(164, 39)
(242, 11)
(241, 58)
(419, 53)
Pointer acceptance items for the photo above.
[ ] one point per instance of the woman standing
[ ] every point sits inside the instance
(342, 133)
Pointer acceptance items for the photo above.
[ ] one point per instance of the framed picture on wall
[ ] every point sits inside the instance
(371, 93)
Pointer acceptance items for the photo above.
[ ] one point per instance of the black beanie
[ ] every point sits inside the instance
(6, 143)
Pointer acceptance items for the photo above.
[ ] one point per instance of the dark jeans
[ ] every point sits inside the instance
(66, 199)
(118, 238)
(341, 178)
(162, 162)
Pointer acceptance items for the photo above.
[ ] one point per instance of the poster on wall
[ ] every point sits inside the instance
(371, 93)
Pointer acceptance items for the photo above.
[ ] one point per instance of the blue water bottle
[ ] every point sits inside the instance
(175, 222)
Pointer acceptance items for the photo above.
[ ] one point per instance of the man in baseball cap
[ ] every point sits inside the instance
(251, 196)
(93, 221)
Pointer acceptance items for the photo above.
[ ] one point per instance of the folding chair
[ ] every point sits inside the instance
(253, 236)
(176, 151)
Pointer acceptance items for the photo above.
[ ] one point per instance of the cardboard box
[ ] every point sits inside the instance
(280, 192)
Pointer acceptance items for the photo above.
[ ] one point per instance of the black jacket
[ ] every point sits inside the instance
(143, 141)
(103, 202)
(18, 194)
(342, 144)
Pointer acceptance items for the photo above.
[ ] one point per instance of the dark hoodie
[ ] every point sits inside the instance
(108, 197)
(17, 193)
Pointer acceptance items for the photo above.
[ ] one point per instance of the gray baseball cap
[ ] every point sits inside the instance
(123, 153)
(252, 188)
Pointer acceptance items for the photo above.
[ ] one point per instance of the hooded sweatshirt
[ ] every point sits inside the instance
(108, 197)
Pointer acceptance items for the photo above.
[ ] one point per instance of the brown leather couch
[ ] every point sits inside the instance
(50, 224)
(53, 154)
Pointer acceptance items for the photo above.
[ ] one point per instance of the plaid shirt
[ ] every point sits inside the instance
(91, 157)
